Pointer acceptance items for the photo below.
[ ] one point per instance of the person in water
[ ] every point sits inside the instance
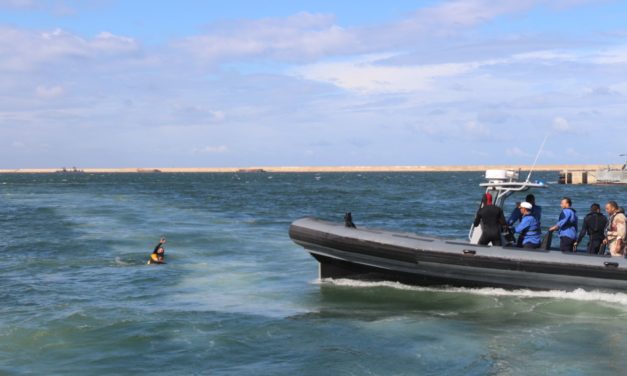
(528, 228)
(158, 255)
(492, 221)
(567, 226)
(616, 231)
(594, 226)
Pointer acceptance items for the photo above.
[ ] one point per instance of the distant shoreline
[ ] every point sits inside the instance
(417, 168)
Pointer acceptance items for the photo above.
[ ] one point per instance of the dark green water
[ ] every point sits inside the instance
(237, 297)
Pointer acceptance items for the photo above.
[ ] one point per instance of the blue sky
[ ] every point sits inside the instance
(109, 83)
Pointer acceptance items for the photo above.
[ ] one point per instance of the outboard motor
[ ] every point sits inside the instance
(546, 241)
(348, 220)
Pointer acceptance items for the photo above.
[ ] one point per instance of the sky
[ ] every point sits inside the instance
(106, 83)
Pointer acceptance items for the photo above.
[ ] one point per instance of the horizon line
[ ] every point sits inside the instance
(296, 169)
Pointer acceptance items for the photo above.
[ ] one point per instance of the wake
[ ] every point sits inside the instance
(578, 294)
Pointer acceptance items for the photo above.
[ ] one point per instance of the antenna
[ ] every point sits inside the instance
(537, 156)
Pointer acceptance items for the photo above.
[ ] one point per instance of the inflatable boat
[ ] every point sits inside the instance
(344, 251)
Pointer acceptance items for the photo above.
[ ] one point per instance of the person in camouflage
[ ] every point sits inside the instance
(616, 233)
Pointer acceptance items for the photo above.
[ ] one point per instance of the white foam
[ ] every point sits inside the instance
(578, 294)
(119, 261)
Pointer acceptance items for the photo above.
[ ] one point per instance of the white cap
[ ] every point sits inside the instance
(526, 205)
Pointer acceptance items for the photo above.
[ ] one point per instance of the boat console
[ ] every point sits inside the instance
(501, 184)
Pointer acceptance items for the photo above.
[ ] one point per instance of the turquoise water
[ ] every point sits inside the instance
(237, 297)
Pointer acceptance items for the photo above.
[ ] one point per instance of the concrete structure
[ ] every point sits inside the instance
(612, 176)
(578, 177)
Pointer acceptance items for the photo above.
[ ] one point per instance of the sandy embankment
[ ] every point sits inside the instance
(586, 167)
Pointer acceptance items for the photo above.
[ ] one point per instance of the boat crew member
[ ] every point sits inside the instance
(158, 255)
(515, 215)
(492, 221)
(536, 211)
(567, 226)
(616, 233)
(528, 228)
(594, 226)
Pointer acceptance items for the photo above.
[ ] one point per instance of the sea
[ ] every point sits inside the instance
(238, 297)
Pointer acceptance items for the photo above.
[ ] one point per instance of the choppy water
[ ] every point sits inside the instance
(238, 297)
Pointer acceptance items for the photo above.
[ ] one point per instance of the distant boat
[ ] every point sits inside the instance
(249, 170)
(373, 254)
(72, 170)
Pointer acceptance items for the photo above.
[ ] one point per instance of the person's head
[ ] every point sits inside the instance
(517, 204)
(595, 208)
(611, 207)
(525, 208)
(486, 199)
(531, 199)
(566, 203)
(161, 250)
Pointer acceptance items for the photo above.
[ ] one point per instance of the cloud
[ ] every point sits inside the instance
(17, 4)
(516, 152)
(572, 152)
(55, 7)
(299, 37)
(49, 92)
(478, 130)
(22, 50)
(197, 114)
(211, 149)
(467, 13)
(561, 125)
(424, 87)
(307, 37)
(366, 74)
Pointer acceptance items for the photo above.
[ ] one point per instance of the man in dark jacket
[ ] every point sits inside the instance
(492, 221)
(593, 225)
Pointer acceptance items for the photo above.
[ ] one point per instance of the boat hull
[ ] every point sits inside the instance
(370, 254)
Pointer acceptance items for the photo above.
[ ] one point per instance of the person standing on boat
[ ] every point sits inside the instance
(528, 228)
(492, 221)
(516, 215)
(567, 226)
(616, 233)
(594, 226)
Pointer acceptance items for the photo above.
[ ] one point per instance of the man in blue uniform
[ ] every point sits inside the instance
(528, 228)
(536, 211)
(567, 226)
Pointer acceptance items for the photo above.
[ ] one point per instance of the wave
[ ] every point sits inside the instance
(119, 261)
(578, 294)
